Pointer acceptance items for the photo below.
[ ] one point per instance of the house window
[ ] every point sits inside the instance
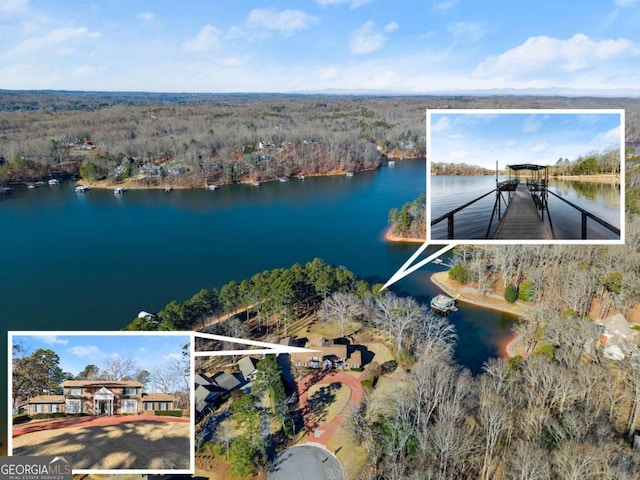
(54, 408)
(74, 406)
(148, 405)
(129, 406)
(38, 408)
(130, 391)
(74, 390)
(162, 406)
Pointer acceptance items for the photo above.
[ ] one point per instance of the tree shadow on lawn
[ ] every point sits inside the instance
(115, 447)
(322, 399)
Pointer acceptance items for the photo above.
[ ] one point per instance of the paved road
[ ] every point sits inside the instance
(306, 462)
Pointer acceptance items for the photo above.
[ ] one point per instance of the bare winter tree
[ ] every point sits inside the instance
(119, 368)
(342, 307)
(397, 316)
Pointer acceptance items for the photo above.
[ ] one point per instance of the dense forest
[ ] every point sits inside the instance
(282, 293)
(595, 163)
(443, 168)
(193, 140)
(196, 139)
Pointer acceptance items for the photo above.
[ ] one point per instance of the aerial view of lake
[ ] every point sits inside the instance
(451, 191)
(92, 261)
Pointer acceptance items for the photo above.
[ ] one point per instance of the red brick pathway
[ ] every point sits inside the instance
(321, 432)
(102, 420)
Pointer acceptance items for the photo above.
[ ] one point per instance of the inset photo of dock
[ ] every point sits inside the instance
(525, 176)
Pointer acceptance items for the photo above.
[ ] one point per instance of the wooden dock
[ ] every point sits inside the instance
(521, 220)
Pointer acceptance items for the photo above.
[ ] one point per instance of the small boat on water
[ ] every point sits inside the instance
(437, 261)
(256, 183)
(118, 191)
(350, 174)
(212, 187)
(283, 179)
(31, 186)
(82, 188)
(391, 163)
(54, 181)
(168, 189)
(301, 177)
(443, 304)
(6, 190)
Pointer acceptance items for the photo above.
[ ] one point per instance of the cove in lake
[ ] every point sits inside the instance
(92, 261)
(452, 191)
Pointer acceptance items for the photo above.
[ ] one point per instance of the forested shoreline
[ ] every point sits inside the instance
(191, 140)
(409, 222)
(148, 140)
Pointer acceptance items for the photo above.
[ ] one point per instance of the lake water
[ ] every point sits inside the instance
(92, 261)
(449, 192)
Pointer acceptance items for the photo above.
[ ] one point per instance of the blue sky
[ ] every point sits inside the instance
(288, 46)
(540, 137)
(78, 351)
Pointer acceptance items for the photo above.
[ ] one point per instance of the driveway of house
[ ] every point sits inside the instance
(320, 431)
(109, 442)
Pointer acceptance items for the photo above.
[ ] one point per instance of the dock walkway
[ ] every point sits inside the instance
(521, 220)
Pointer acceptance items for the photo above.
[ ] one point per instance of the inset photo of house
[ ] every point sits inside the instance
(111, 401)
(532, 176)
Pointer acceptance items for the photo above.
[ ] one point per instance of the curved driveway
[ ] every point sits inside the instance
(321, 432)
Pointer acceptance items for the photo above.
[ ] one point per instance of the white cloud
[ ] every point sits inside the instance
(625, 3)
(607, 139)
(467, 31)
(330, 73)
(541, 57)
(443, 6)
(443, 124)
(62, 41)
(85, 351)
(366, 39)
(353, 4)
(13, 8)
(51, 339)
(208, 38)
(533, 123)
(391, 27)
(146, 16)
(285, 22)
